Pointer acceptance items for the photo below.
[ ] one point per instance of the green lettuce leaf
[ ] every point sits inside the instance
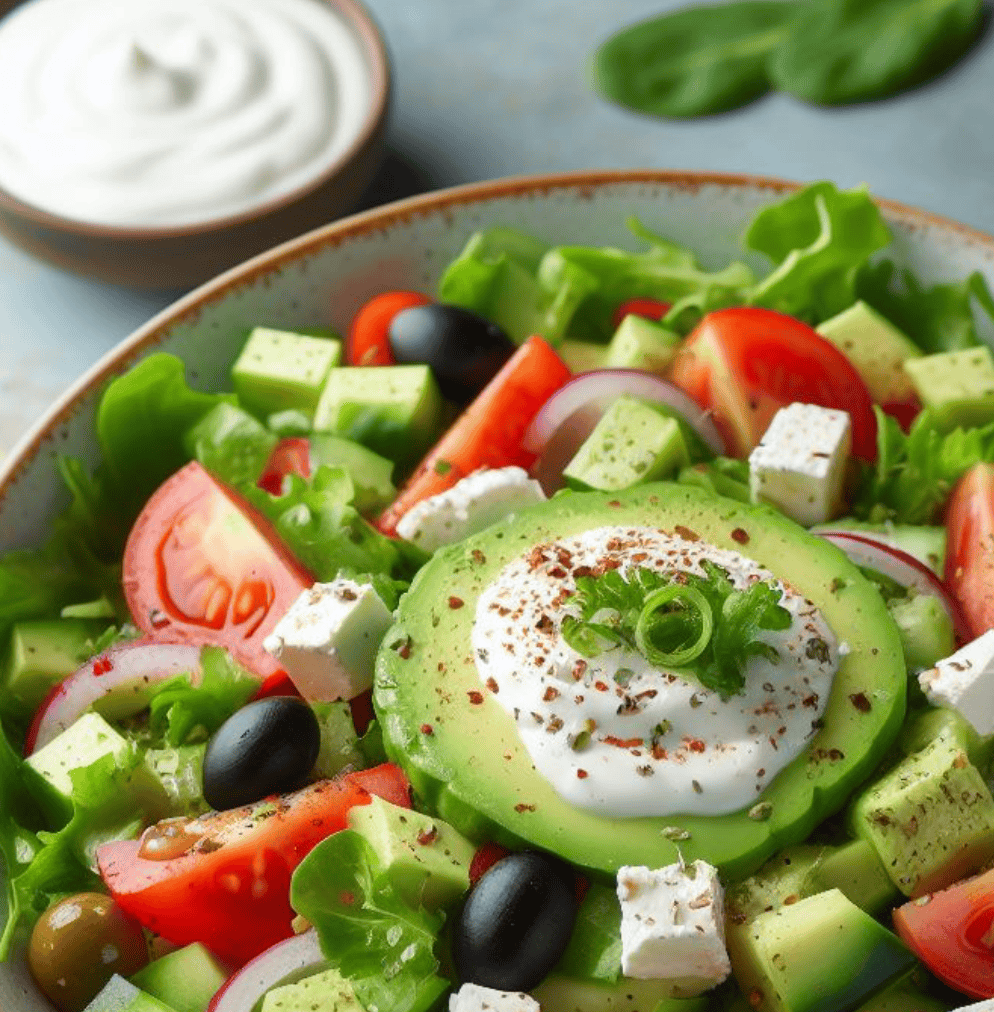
(725, 476)
(574, 290)
(48, 852)
(497, 275)
(326, 533)
(938, 318)
(914, 473)
(724, 624)
(594, 950)
(232, 444)
(664, 271)
(141, 421)
(383, 946)
(180, 713)
(818, 239)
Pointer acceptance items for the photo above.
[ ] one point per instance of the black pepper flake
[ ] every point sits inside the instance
(697, 787)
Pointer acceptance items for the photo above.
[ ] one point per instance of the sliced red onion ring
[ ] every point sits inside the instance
(116, 684)
(568, 417)
(901, 567)
(282, 962)
(596, 390)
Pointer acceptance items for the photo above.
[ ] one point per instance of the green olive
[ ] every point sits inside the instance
(79, 943)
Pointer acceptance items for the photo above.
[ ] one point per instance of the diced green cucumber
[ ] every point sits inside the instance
(279, 370)
(927, 633)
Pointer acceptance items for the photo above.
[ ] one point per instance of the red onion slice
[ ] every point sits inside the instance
(596, 390)
(282, 962)
(113, 683)
(901, 567)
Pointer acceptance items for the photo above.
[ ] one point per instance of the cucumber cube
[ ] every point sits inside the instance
(278, 370)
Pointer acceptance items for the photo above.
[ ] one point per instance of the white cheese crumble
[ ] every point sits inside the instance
(476, 998)
(799, 465)
(964, 682)
(673, 926)
(327, 640)
(612, 733)
(470, 506)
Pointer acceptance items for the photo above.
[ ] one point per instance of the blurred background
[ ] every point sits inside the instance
(502, 87)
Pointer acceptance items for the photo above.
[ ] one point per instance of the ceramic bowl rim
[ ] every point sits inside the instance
(382, 217)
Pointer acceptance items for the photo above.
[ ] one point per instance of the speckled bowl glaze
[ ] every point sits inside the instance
(321, 278)
(183, 256)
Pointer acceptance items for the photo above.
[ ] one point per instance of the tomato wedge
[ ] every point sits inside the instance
(368, 341)
(952, 933)
(489, 432)
(224, 879)
(651, 309)
(290, 456)
(201, 566)
(745, 364)
(969, 568)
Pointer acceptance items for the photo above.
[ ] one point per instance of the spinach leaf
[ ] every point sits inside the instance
(844, 51)
(694, 62)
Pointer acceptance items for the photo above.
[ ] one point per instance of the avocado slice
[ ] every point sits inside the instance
(462, 751)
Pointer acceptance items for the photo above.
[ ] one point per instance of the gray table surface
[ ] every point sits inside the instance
(491, 88)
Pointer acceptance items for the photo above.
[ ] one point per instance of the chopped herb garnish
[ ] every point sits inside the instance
(702, 625)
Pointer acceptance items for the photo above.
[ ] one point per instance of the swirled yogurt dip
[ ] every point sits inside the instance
(167, 112)
(614, 734)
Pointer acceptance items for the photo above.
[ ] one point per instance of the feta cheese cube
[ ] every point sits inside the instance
(327, 641)
(673, 926)
(964, 682)
(472, 504)
(475, 998)
(799, 465)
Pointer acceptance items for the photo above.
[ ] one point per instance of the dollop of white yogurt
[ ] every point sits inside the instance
(167, 112)
(618, 736)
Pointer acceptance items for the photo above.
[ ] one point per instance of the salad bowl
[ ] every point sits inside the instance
(322, 278)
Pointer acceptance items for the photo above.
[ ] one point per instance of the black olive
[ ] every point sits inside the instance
(266, 747)
(464, 350)
(516, 923)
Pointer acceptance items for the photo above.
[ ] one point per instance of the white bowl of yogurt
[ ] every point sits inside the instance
(158, 142)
